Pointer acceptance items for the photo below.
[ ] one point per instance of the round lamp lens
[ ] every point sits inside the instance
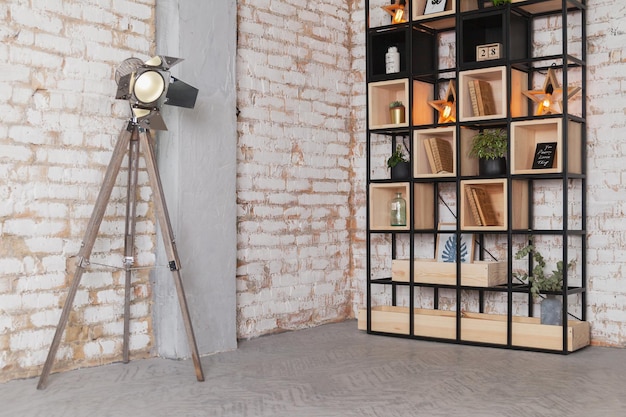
(149, 86)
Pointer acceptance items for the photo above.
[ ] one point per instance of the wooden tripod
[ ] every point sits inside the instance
(131, 138)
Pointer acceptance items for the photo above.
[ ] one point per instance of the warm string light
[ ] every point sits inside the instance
(447, 110)
(548, 96)
(446, 107)
(396, 10)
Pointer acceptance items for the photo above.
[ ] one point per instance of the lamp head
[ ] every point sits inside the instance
(148, 86)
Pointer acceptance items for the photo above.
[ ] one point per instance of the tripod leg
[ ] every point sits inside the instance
(170, 246)
(129, 235)
(87, 246)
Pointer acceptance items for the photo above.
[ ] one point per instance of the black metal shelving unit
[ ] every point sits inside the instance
(422, 75)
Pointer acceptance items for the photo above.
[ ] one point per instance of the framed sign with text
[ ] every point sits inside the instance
(544, 155)
(435, 6)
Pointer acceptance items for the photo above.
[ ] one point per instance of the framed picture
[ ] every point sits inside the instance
(544, 155)
(446, 245)
(435, 6)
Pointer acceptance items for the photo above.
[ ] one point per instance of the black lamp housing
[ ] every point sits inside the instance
(148, 86)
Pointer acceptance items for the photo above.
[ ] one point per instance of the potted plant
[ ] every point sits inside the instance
(397, 112)
(399, 163)
(540, 283)
(500, 2)
(490, 146)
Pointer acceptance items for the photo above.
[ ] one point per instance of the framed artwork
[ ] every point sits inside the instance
(447, 243)
(544, 155)
(435, 6)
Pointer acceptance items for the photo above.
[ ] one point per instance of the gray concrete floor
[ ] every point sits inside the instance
(337, 370)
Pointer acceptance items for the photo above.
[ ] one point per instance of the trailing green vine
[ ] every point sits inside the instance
(538, 280)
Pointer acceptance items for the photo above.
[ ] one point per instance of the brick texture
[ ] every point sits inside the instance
(295, 164)
(60, 122)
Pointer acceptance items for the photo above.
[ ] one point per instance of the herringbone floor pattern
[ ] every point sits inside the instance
(336, 370)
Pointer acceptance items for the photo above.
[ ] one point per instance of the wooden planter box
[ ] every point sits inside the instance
(429, 271)
(477, 327)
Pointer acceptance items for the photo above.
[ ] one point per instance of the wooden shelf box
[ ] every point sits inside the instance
(525, 136)
(477, 327)
(498, 195)
(418, 8)
(382, 93)
(381, 196)
(429, 271)
(421, 165)
(496, 78)
(380, 200)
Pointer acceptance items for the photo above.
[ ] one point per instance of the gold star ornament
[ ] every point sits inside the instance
(447, 105)
(551, 95)
(396, 10)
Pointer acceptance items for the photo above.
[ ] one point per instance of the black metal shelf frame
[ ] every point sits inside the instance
(517, 55)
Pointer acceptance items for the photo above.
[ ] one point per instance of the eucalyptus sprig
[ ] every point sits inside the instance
(540, 282)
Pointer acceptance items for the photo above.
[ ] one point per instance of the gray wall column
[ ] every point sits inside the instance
(197, 162)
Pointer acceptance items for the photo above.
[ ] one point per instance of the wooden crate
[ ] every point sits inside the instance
(429, 271)
(428, 323)
(477, 327)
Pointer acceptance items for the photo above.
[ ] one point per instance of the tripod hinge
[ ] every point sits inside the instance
(173, 266)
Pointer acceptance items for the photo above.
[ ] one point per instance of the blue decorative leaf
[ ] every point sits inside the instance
(449, 250)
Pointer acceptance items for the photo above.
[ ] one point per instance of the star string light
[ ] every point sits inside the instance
(447, 105)
(550, 95)
(396, 10)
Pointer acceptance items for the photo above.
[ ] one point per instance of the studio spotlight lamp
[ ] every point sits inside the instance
(148, 86)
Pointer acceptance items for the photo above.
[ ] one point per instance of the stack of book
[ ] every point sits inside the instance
(481, 96)
(439, 154)
(480, 206)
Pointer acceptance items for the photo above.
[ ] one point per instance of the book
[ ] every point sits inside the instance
(486, 212)
(484, 98)
(473, 98)
(473, 206)
(439, 154)
(430, 157)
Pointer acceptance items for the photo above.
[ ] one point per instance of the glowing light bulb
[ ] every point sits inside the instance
(447, 110)
(398, 17)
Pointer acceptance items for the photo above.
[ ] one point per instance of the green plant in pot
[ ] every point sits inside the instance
(399, 164)
(490, 146)
(541, 282)
(500, 2)
(397, 112)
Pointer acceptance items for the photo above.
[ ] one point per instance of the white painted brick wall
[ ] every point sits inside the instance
(59, 124)
(294, 164)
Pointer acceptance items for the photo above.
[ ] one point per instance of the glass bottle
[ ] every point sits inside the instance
(398, 211)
